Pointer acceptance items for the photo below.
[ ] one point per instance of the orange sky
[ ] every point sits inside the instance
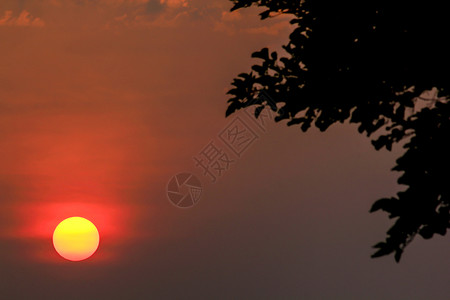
(102, 102)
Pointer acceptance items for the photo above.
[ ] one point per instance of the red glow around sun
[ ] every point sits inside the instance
(38, 222)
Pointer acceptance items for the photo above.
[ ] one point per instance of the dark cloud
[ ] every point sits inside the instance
(154, 7)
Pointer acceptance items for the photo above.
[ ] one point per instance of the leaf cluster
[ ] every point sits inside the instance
(366, 62)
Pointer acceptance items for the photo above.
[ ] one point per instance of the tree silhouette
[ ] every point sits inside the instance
(383, 65)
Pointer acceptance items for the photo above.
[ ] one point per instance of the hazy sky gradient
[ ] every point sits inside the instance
(102, 102)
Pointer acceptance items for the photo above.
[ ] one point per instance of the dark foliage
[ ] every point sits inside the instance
(372, 63)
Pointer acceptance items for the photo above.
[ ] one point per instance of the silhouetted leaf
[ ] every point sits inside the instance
(383, 204)
(426, 232)
(274, 55)
(264, 14)
(232, 108)
(398, 254)
(258, 110)
(263, 54)
(259, 69)
(385, 249)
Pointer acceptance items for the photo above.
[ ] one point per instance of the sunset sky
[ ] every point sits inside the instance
(102, 102)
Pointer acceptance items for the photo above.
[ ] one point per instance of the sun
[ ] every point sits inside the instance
(76, 238)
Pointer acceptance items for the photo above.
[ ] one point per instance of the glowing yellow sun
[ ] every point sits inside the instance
(76, 238)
